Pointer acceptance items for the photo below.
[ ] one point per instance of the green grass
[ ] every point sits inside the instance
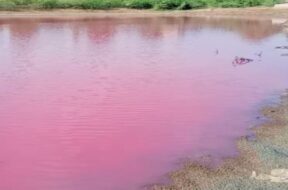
(133, 4)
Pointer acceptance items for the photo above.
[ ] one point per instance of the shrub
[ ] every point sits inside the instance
(100, 4)
(48, 4)
(7, 5)
(192, 4)
(168, 4)
(211, 3)
(270, 3)
(231, 3)
(66, 4)
(139, 4)
(251, 3)
(22, 2)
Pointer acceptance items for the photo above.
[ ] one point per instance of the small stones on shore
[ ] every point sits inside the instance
(276, 176)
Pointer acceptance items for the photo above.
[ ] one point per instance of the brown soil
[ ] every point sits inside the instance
(72, 13)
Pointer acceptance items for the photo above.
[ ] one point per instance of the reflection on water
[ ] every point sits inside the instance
(115, 103)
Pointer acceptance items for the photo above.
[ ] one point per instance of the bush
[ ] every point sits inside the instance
(251, 3)
(239, 3)
(113, 3)
(168, 4)
(139, 4)
(192, 4)
(48, 4)
(66, 4)
(270, 3)
(22, 2)
(100, 4)
(230, 4)
(7, 5)
(211, 3)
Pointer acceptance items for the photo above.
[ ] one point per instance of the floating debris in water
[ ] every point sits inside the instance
(284, 54)
(241, 61)
(259, 54)
(281, 47)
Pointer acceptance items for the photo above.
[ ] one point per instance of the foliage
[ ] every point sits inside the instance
(168, 4)
(100, 4)
(139, 4)
(48, 4)
(135, 4)
(192, 4)
(7, 5)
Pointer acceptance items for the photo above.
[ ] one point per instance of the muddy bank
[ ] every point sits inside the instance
(262, 162)
(259, 13)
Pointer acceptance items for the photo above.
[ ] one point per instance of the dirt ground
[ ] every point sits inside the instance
(260, 13)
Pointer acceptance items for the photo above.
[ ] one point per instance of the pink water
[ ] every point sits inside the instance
(114, 104)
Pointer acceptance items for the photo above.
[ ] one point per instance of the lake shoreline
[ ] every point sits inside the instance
(256, 13)
(262, 162)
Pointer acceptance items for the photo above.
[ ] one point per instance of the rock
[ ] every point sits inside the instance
(276, 176)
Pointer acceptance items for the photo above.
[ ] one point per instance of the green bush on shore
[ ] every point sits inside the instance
(7, 5)
(48, 4)
(193, 4)
(139, 4)
(100, 4)
(134, 4)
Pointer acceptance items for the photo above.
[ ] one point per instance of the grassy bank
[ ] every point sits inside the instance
(133, 4)
(261, 165)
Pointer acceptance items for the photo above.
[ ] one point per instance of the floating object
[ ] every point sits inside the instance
(281, 47)
(259, 54)
(241, 61)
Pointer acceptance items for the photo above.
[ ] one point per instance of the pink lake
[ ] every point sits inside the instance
(116, 104)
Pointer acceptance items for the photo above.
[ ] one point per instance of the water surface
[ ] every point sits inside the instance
(114, 104)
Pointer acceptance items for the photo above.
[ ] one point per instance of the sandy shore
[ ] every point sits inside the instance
(262, 163)
(259, 13)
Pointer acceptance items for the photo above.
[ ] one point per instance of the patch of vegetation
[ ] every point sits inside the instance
(270, 3)
(139, 4)
(134, 4)
(48, 4)
(100, 4)
(7, 5)
(192, 4)
(168, 4)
